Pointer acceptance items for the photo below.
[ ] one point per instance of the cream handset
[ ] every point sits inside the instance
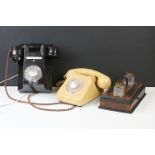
(82, 85)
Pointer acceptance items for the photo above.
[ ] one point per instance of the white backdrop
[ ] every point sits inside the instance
(80, 12)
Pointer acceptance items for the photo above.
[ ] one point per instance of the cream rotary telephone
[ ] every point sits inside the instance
(82, 85)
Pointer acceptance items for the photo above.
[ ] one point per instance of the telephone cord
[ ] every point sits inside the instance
(8, 79)
(34, 104)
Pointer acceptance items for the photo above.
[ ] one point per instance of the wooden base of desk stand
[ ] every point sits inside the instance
(127, 103)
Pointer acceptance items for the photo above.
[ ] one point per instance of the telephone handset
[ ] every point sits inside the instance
(31, 50)
(33, 66)
(82, 85)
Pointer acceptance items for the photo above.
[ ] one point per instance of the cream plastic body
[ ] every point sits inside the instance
(93, 81)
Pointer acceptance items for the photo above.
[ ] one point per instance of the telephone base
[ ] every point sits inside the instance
(127, 103)
(39, 88)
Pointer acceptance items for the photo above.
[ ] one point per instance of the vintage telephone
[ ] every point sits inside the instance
(82, 85)
(33, 68)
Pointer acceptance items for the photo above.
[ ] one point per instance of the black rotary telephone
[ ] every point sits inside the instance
(33, 66)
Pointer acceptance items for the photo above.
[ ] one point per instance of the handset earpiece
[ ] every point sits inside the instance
(103, 81)
(52, 52)
(15, 54)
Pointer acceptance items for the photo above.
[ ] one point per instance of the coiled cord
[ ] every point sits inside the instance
(34, 104)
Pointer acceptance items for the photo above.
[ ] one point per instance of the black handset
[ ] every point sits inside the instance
(33, 67)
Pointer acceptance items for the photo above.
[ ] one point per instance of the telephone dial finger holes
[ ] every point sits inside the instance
(74, 85)
(33, 73)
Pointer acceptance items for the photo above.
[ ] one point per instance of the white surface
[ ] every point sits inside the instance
(17, 115)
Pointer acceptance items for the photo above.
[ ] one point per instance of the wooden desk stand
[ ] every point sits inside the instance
(127, 103)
